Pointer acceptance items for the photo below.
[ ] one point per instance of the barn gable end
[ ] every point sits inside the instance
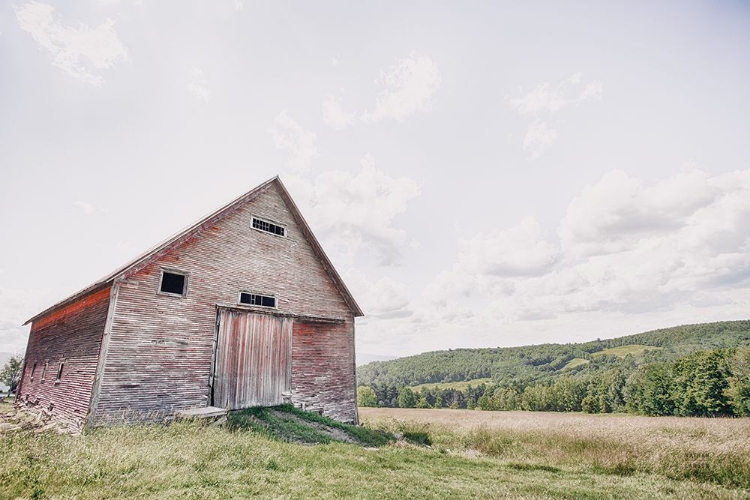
(158, 351)
(65, 343)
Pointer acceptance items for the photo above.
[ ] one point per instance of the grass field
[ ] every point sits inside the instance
(458, 386)
(465, 454)
(624, 350)
(575, 362)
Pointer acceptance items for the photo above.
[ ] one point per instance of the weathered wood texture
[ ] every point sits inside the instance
(323, 373)
(253, 365)
(161, 347)
(71, 336)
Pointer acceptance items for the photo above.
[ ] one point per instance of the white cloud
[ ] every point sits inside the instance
(355, 212)
(538, 138)
(386, 298)
(592, 91)
(548, 100)
(239, 5)
(538, 100)
(521, 250)
(334, 61)
(334, 114)
(618, 211)
(198, 84)
(77, 51)
(487, 262)
(410, 85)
(299, 143)
(626, 247)
(88, 208)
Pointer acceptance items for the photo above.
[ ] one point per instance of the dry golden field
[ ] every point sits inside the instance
(660, 434)
(694, 449)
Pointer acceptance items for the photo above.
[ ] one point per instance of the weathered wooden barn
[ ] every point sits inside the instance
(241, 309)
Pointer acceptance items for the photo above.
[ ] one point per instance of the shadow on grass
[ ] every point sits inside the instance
(287, 423)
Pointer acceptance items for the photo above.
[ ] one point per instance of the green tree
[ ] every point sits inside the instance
(10, 375)
(406, 398)
(649, 390)
(422, 402)
(739, 382)
(438, 398)
(366, 396)
(699, 384)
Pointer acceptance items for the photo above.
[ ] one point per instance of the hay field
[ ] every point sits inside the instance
(694, 449)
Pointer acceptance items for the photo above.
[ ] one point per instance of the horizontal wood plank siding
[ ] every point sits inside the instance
(161, 347)
(71, 336)
(323, 377)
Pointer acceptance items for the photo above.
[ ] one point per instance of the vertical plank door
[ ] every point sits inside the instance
(253, 364)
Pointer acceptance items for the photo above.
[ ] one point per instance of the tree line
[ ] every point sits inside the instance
(708, 383)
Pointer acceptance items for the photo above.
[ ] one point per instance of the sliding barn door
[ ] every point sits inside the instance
(253, 364)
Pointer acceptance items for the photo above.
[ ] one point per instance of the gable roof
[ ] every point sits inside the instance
(211, 219)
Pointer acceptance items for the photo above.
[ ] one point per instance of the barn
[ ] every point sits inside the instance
(241, 309)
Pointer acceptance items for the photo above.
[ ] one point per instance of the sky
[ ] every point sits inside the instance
(481, 174)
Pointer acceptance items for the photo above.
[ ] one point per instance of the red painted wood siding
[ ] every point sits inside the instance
(72, 336)
(253, 360)
(161, 347)
(323, 374)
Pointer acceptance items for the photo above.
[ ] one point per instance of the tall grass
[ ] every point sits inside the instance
(188, 460)
(703, 450)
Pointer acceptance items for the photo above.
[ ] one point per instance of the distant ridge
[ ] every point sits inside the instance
(535, 363)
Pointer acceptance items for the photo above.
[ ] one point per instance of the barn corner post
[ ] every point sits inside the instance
(101, 363)
(214, 353)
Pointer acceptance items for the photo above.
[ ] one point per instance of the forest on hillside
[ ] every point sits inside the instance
(686, 370)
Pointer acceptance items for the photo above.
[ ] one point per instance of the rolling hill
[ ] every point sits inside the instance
(546, 362)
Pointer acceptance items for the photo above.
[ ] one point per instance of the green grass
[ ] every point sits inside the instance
(624, 350)
(575, 362)
(194, 460)
(291, 424)
(458, 386)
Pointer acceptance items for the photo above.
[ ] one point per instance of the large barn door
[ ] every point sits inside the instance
(253, 364)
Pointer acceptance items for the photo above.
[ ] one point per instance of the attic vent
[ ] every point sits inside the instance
(257, 300)
(269, 227)
(173, 283)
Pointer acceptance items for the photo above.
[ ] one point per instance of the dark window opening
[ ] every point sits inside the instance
(44, 370)
(257, 300)
(269, 227)
(59, 372)
(33, 369)
(172, 283)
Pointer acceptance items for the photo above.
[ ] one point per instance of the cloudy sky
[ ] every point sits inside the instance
(483, 174)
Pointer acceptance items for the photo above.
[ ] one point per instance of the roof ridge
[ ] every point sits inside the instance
(189, 231)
